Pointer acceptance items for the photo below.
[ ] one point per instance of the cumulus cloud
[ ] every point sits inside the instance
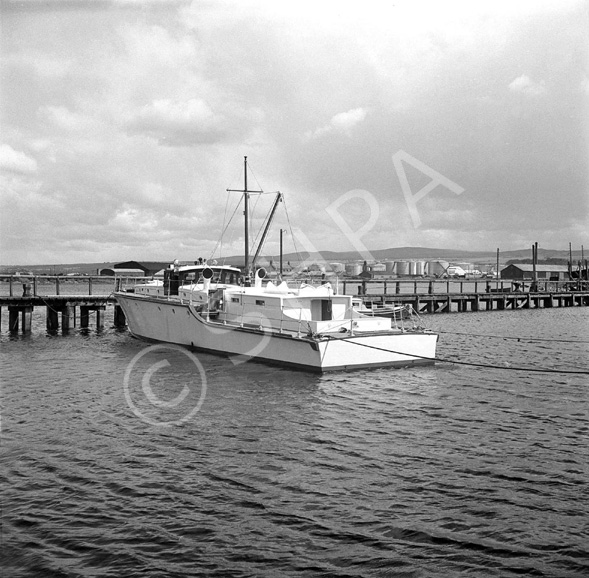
(342, 122)
(525, 85)
(16, 161)
(178, 122)
(88, 102)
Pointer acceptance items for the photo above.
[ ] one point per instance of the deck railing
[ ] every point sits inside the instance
(34, 285)
(44, 285)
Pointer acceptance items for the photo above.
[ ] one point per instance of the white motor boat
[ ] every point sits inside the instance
(212, 308)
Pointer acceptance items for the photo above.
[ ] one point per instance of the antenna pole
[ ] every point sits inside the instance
(246, 194)
(246, 214)
(281, 231)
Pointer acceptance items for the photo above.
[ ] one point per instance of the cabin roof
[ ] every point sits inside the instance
(207, 266)
(528, 267)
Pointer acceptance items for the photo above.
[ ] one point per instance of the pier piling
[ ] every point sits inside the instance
(52, 319)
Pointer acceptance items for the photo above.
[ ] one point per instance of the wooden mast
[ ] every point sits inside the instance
(246, 193)
(246, 214)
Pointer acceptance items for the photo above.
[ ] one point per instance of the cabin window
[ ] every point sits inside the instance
(260, 302)
(234, 299)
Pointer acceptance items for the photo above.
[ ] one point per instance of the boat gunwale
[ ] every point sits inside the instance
(288, 334)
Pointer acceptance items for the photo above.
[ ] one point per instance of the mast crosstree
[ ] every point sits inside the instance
(246, 194)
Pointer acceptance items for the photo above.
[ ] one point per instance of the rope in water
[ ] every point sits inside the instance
(488, 366)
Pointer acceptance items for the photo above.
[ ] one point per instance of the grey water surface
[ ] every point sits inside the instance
(118, 459)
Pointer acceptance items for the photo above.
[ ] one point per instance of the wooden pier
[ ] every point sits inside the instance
(445, 296)
(60, 307)
(425, 296)
(462, 302)
(65, 310)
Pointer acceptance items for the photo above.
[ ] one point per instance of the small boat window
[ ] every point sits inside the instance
(234, 299)
(260, 302)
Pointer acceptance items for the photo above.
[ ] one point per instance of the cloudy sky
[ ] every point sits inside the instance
(385, 124)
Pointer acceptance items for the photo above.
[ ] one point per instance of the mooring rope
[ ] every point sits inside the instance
(472, 364)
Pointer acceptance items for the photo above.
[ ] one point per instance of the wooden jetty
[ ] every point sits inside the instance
(425, 296)
(445, 302)
(59, 307)
(20, 311)
(444, 296)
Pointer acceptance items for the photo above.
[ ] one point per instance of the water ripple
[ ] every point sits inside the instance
(439, 472)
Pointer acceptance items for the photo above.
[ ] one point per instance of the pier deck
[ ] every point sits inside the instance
(425, 296)
(462, 302)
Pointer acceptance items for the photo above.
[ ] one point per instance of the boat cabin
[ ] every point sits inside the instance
(306, 309)
(190, 275)
(174, 278)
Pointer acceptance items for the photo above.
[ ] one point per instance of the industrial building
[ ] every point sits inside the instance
(543, 272)
(135, 268)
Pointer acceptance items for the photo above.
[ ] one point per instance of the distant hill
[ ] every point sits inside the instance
(392, 254)
(424, 253)
(64, 269)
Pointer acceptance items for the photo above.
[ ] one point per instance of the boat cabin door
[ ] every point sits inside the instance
(171, 282)
(216, 301)
(321, 310)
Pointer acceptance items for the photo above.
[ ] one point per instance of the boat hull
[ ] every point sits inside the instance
(172, 321)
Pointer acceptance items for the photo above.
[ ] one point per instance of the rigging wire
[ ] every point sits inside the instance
(261, 227)
(471, 364)
(227, 226)
(290, 228)
(255, 178)
(220, 241)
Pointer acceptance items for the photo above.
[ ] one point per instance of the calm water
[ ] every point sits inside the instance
(444, 471)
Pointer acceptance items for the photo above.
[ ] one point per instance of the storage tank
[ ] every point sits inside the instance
(437, 268)
(337, 267)
(378, 268)
(420, 268)
(412, 268)
(389, 266)
(353, 269)
(402, 267)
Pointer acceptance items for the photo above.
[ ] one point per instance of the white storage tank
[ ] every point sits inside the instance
(437, 268)
(353, 269)
(412, 268)
(378, 268)
(420, 268)
(389, 266)
(402, 267)
(337, 267)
